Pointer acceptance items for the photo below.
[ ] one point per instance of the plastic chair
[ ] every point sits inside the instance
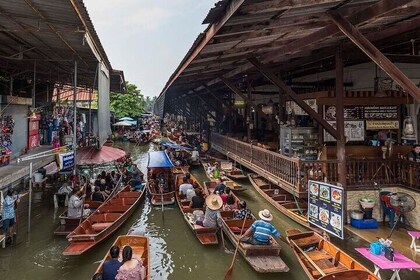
(386, 208)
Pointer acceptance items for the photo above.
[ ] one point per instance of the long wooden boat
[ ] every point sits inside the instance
(282, 200)
(160, 172)
(210, 186)
(262, 258)
(206, 235)
(229, 183)
(231, 171)
(67, 224)
(104, 221)
(140, 246)
(322, 260)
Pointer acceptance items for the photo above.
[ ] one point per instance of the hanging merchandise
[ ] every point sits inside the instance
(7, 126)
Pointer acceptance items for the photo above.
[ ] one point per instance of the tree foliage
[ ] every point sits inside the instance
(127, 104)
(149, 102)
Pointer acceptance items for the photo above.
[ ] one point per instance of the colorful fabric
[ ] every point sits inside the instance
(263, 230)
(136, 273)
(240, 214)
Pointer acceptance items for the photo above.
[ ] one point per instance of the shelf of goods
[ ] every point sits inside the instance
(299, 142)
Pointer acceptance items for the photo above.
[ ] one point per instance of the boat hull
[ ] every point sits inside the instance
(106, 220)
(140, 246)
(206, 235)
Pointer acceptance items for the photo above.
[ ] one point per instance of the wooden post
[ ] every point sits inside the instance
(339, 96)
(248, 110)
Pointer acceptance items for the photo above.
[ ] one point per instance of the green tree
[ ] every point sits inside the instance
(149, 102)
(127, 104)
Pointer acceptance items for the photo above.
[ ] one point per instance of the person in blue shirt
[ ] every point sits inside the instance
(110, 267)
(261, 230)
(8, 213)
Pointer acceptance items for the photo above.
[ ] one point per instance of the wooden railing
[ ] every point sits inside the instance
(293, 174)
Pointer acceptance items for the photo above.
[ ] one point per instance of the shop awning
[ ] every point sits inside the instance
(90, 156)
(159, 159)
(174, 146)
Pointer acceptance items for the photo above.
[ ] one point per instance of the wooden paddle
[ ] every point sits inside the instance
(223, 239)
(230, 271)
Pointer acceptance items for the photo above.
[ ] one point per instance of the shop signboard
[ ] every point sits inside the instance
(326, 207)
(292, 106)
(353, 130)
(65, 160)
(363, 112)
(382, 124)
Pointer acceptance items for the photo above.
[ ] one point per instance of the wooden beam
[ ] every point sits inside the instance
(224, 102)
(278, 82)
(370, 50)
(211, 30)
(206, 102)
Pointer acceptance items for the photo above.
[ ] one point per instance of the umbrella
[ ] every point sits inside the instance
(90, 156)
(123, 123)
(127, 119)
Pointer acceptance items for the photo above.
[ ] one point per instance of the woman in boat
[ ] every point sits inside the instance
(261, 230)
(231, 203)
(131, 269)
(212, 217)
(97, 195)
(242, 211)
(198, 200)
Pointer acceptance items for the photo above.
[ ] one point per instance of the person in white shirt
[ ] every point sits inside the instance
(185, 186)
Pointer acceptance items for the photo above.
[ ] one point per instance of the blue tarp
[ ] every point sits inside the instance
(159, 159)
(174, 146)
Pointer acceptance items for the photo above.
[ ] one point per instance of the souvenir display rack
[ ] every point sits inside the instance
(299, 142)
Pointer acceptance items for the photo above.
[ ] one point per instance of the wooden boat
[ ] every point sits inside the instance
(140, 246)
(322, 260)
(67, 224)
(103, 222)
(160, 180)
(231, 171)
(294, 208)
(234, 186)
(206, 235)
(262, 258)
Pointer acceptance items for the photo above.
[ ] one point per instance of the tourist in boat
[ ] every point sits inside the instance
(97, 195)
(220, 187)
(110, 267)
(8, 213)
(261, 230)
(131, 269)
(76, 205)
(198, 200)
(184, 187)
(212, 217)
(242, 211)
(136, 176)
(230, 201)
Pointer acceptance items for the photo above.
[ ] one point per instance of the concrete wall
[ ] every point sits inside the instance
(20, 133)
(353, 198)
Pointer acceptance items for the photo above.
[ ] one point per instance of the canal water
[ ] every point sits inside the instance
(175, 251)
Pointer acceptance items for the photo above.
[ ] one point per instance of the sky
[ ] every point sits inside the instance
(147, 39)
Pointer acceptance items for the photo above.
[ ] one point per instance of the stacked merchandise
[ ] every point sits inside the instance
(7, 125)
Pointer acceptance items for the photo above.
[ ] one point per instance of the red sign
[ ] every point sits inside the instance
(33, 141)
(33, 127)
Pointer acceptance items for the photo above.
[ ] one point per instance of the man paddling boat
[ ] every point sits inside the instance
(261, 230)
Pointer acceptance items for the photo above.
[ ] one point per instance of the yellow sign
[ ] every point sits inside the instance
(372, 125)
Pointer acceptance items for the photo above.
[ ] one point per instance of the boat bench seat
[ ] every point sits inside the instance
(334, 269)
(98, 227)
(195, 226)
(317, 255)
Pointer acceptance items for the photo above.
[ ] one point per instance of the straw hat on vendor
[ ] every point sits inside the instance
(214, 202)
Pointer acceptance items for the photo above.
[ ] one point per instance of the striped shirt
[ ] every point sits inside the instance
(263, 230)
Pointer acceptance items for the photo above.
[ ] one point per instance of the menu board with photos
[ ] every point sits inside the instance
(326, 209)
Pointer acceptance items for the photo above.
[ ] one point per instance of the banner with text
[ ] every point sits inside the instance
(66, 160)
(326, 209)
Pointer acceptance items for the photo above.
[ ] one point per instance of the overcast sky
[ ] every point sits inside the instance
(147, 39)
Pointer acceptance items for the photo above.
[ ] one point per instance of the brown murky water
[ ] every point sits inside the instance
(175, 252)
